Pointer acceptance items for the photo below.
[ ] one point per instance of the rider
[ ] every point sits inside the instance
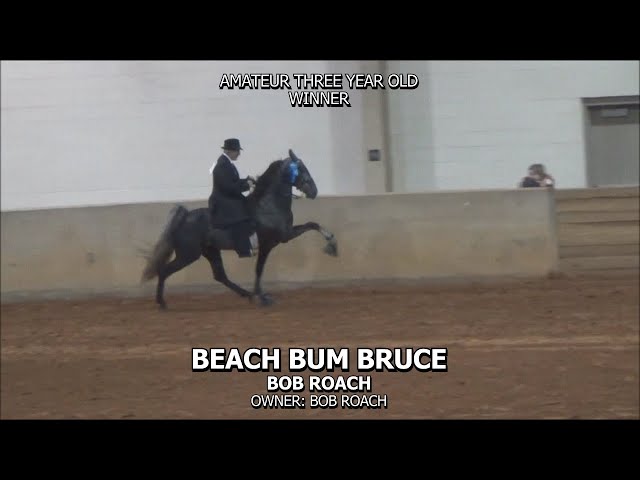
(227, 204)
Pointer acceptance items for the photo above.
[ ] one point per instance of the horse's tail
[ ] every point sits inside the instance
(164, 246)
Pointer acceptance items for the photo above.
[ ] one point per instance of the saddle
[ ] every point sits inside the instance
(220, 219)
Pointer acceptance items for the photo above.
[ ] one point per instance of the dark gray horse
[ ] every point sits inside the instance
(190, 235)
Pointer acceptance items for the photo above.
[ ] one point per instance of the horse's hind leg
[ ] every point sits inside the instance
(181, 261)
(217, 267)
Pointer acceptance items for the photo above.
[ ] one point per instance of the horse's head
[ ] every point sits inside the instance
(299, 176)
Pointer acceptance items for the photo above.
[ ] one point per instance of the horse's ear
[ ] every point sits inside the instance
(292, 155)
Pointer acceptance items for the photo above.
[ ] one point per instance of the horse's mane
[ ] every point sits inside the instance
(267, 178)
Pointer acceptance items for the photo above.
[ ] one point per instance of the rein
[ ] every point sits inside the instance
(293, 195)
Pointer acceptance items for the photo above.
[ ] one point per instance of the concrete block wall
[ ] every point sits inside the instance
(461, 235)
(101, 132)
(92, 133)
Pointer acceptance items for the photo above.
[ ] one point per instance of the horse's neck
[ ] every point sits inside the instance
(277, 195)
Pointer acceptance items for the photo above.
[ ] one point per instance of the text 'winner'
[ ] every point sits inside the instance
(318, 89)
(325, 391)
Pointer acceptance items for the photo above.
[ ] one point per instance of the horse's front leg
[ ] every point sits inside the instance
(331, 248)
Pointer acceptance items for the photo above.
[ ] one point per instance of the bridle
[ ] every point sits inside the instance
(294, 173)
(293, 169)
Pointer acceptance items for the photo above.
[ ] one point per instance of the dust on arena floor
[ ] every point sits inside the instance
(562, 347)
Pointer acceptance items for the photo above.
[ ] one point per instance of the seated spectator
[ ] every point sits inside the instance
(537, 177)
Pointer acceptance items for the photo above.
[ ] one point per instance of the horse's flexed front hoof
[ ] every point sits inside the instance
(331, 248)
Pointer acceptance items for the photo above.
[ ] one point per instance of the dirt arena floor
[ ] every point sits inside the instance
(556, 348)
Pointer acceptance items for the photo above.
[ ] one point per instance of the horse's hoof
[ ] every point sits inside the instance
(331, 248)
(163, 307)
(266, 300)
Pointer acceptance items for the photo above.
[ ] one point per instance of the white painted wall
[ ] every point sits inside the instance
(89, 133)
(410, 127)
(479, 124)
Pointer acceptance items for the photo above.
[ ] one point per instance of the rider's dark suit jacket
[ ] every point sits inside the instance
(528, 182)
(226, 202)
